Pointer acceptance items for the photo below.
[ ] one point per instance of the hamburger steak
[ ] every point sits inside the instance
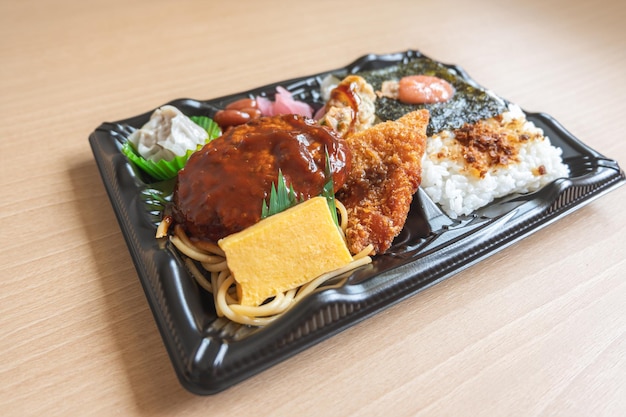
(222, 188)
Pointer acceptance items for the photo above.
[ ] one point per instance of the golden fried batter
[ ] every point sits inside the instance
(385, 173)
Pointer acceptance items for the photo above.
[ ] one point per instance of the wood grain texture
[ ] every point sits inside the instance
(536, 330)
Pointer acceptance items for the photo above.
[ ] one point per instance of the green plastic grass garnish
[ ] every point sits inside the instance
(329, 190)
(281, 198)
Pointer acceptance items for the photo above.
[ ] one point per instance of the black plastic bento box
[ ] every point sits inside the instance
(210, 354)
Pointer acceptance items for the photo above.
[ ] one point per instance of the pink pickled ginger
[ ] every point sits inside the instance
(284, 104)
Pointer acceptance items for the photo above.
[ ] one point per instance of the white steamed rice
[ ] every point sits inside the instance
(449, 183)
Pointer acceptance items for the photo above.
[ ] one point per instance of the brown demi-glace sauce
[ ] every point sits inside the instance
(222, 188)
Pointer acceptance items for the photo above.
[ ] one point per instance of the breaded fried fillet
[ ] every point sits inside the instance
(385, 173)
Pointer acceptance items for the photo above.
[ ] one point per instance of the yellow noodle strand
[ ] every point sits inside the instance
(214, 254)
(343, 215)
(311, 286)
(217, 267)
(222, 282)
(163, 227)
(364, 252)
(198, 276)
(228, 312)
(209, 247)
(190, 250)
(269, 309)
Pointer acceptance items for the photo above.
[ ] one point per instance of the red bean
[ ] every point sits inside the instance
(230, 117)
(244, 103)
(253, 112)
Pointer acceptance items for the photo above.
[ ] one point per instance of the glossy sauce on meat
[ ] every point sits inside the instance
(350, 107)
(222, 188)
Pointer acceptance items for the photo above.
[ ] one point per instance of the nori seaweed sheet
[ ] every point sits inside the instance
(469, 103)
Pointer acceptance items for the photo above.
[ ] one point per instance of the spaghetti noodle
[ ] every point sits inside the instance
(222, 282)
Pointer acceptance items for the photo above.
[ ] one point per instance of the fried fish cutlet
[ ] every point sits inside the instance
(385, 173)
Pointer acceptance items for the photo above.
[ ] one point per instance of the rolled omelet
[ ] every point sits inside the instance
(285, 251)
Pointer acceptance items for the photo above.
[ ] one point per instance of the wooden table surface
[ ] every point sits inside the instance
(537, 329)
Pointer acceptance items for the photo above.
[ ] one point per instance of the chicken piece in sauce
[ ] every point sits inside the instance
(350, 108)
(222, 188)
